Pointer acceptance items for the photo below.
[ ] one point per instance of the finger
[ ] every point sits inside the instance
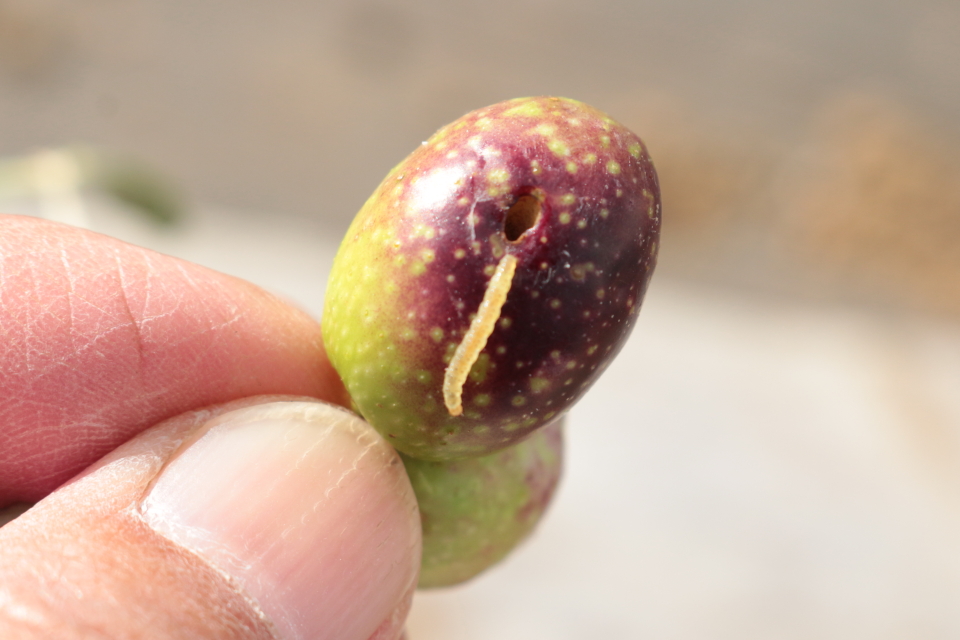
(100, 339)
(279, 519)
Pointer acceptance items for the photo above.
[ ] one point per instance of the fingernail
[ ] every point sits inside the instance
(304, 506)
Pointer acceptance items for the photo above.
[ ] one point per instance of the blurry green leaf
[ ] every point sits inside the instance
(128, 181)
(142, 190)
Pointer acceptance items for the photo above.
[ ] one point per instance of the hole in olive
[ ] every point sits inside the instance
(521, 217)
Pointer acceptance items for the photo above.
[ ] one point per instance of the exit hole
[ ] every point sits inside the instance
(521, 217)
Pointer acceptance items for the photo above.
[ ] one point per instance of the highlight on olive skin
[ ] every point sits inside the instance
(493, 275)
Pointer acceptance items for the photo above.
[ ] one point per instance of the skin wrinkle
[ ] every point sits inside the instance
(30, 355)
(150, 279)
(75, 301)
(138, 329)
(99, 340)
(236, 314)
(205, 313)
(370, 446)
(71, 293)
(36, 355)
(88, 436)
(194, 285)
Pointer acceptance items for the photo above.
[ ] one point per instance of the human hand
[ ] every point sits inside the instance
(268, 515)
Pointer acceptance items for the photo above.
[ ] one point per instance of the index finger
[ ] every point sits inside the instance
(100, 340)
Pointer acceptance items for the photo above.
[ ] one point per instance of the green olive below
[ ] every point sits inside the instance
(475, 511)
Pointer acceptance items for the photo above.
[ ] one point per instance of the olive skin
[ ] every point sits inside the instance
(475, 511)
(560, 189)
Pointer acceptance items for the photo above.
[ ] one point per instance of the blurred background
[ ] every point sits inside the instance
(776, 454)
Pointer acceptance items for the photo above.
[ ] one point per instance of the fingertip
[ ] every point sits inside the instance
(103, 339)
(306, 508)
(265, 518)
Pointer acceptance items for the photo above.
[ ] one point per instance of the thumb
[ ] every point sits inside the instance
(265, 518)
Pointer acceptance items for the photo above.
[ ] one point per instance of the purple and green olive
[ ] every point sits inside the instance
(493, 275)
(475, 511)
